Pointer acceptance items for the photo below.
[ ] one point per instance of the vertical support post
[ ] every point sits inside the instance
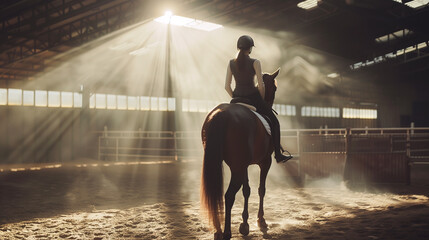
(84, 121)
(408, 157)
(140, 142)
(171, 125)
(348, 167)
(176, 154)
(347, 142)
(171, 116)
(7, 128)
(178, 114)
(408, 144)
(298, 141)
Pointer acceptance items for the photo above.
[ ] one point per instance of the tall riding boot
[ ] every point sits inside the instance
(280, 158)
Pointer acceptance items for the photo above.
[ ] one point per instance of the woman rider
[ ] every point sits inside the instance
(244, 70)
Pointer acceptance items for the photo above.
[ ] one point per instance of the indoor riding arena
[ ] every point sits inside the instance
(116, 121)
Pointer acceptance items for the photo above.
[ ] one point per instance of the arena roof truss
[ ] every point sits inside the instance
(34, 33)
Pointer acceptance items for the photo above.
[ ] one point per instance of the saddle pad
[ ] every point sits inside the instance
(264, 122)
(262, 119)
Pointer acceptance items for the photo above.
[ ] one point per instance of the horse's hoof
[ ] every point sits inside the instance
(218, 236)
(262, 224)
(244, 229)
(226, 236)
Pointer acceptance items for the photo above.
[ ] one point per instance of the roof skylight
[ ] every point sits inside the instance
(187, 22)
(395, 54)
(308, 4)
(417, 3)
(398, 34)
(414, 3)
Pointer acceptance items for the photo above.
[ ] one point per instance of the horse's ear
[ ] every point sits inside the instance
(274, 75)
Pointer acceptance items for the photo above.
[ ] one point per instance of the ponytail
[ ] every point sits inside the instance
(240, 60)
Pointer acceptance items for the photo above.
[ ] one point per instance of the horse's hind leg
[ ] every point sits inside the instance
(234, 186)
(244, 227)
(264, 171)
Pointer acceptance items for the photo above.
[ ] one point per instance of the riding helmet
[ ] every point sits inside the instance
(245, 42)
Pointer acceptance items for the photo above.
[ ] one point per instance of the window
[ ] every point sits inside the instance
(100, 101)
(312, 111)
(41, 98)
(290, 110)
(171, 104)
(144, 103)
(111, 101)
(282, 109)
(77, 100)
(66, 99)
(3, 96)
(54, 99)
(28, 98)
(185, 105)
(359, 113)
(163, 106)
(193, 105)
(133, 103)
(14, 97)
(122, 102)
(153, 103)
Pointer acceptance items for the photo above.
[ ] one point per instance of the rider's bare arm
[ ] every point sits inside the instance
(261, 86)
(228, 81)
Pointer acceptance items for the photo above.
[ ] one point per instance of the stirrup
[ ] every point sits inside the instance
(282, 158)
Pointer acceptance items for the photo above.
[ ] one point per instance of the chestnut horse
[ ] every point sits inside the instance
(232, 133)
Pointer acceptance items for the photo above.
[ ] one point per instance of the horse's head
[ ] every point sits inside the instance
(270, 86)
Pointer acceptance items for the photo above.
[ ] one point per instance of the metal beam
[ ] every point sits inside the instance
(76, 32)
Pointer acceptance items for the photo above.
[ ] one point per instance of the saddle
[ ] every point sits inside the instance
(245, 102)
(249, 104)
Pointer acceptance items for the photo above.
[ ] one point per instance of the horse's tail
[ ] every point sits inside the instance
(212, 172)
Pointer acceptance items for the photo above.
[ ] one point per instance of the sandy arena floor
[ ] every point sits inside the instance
(161, 201)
